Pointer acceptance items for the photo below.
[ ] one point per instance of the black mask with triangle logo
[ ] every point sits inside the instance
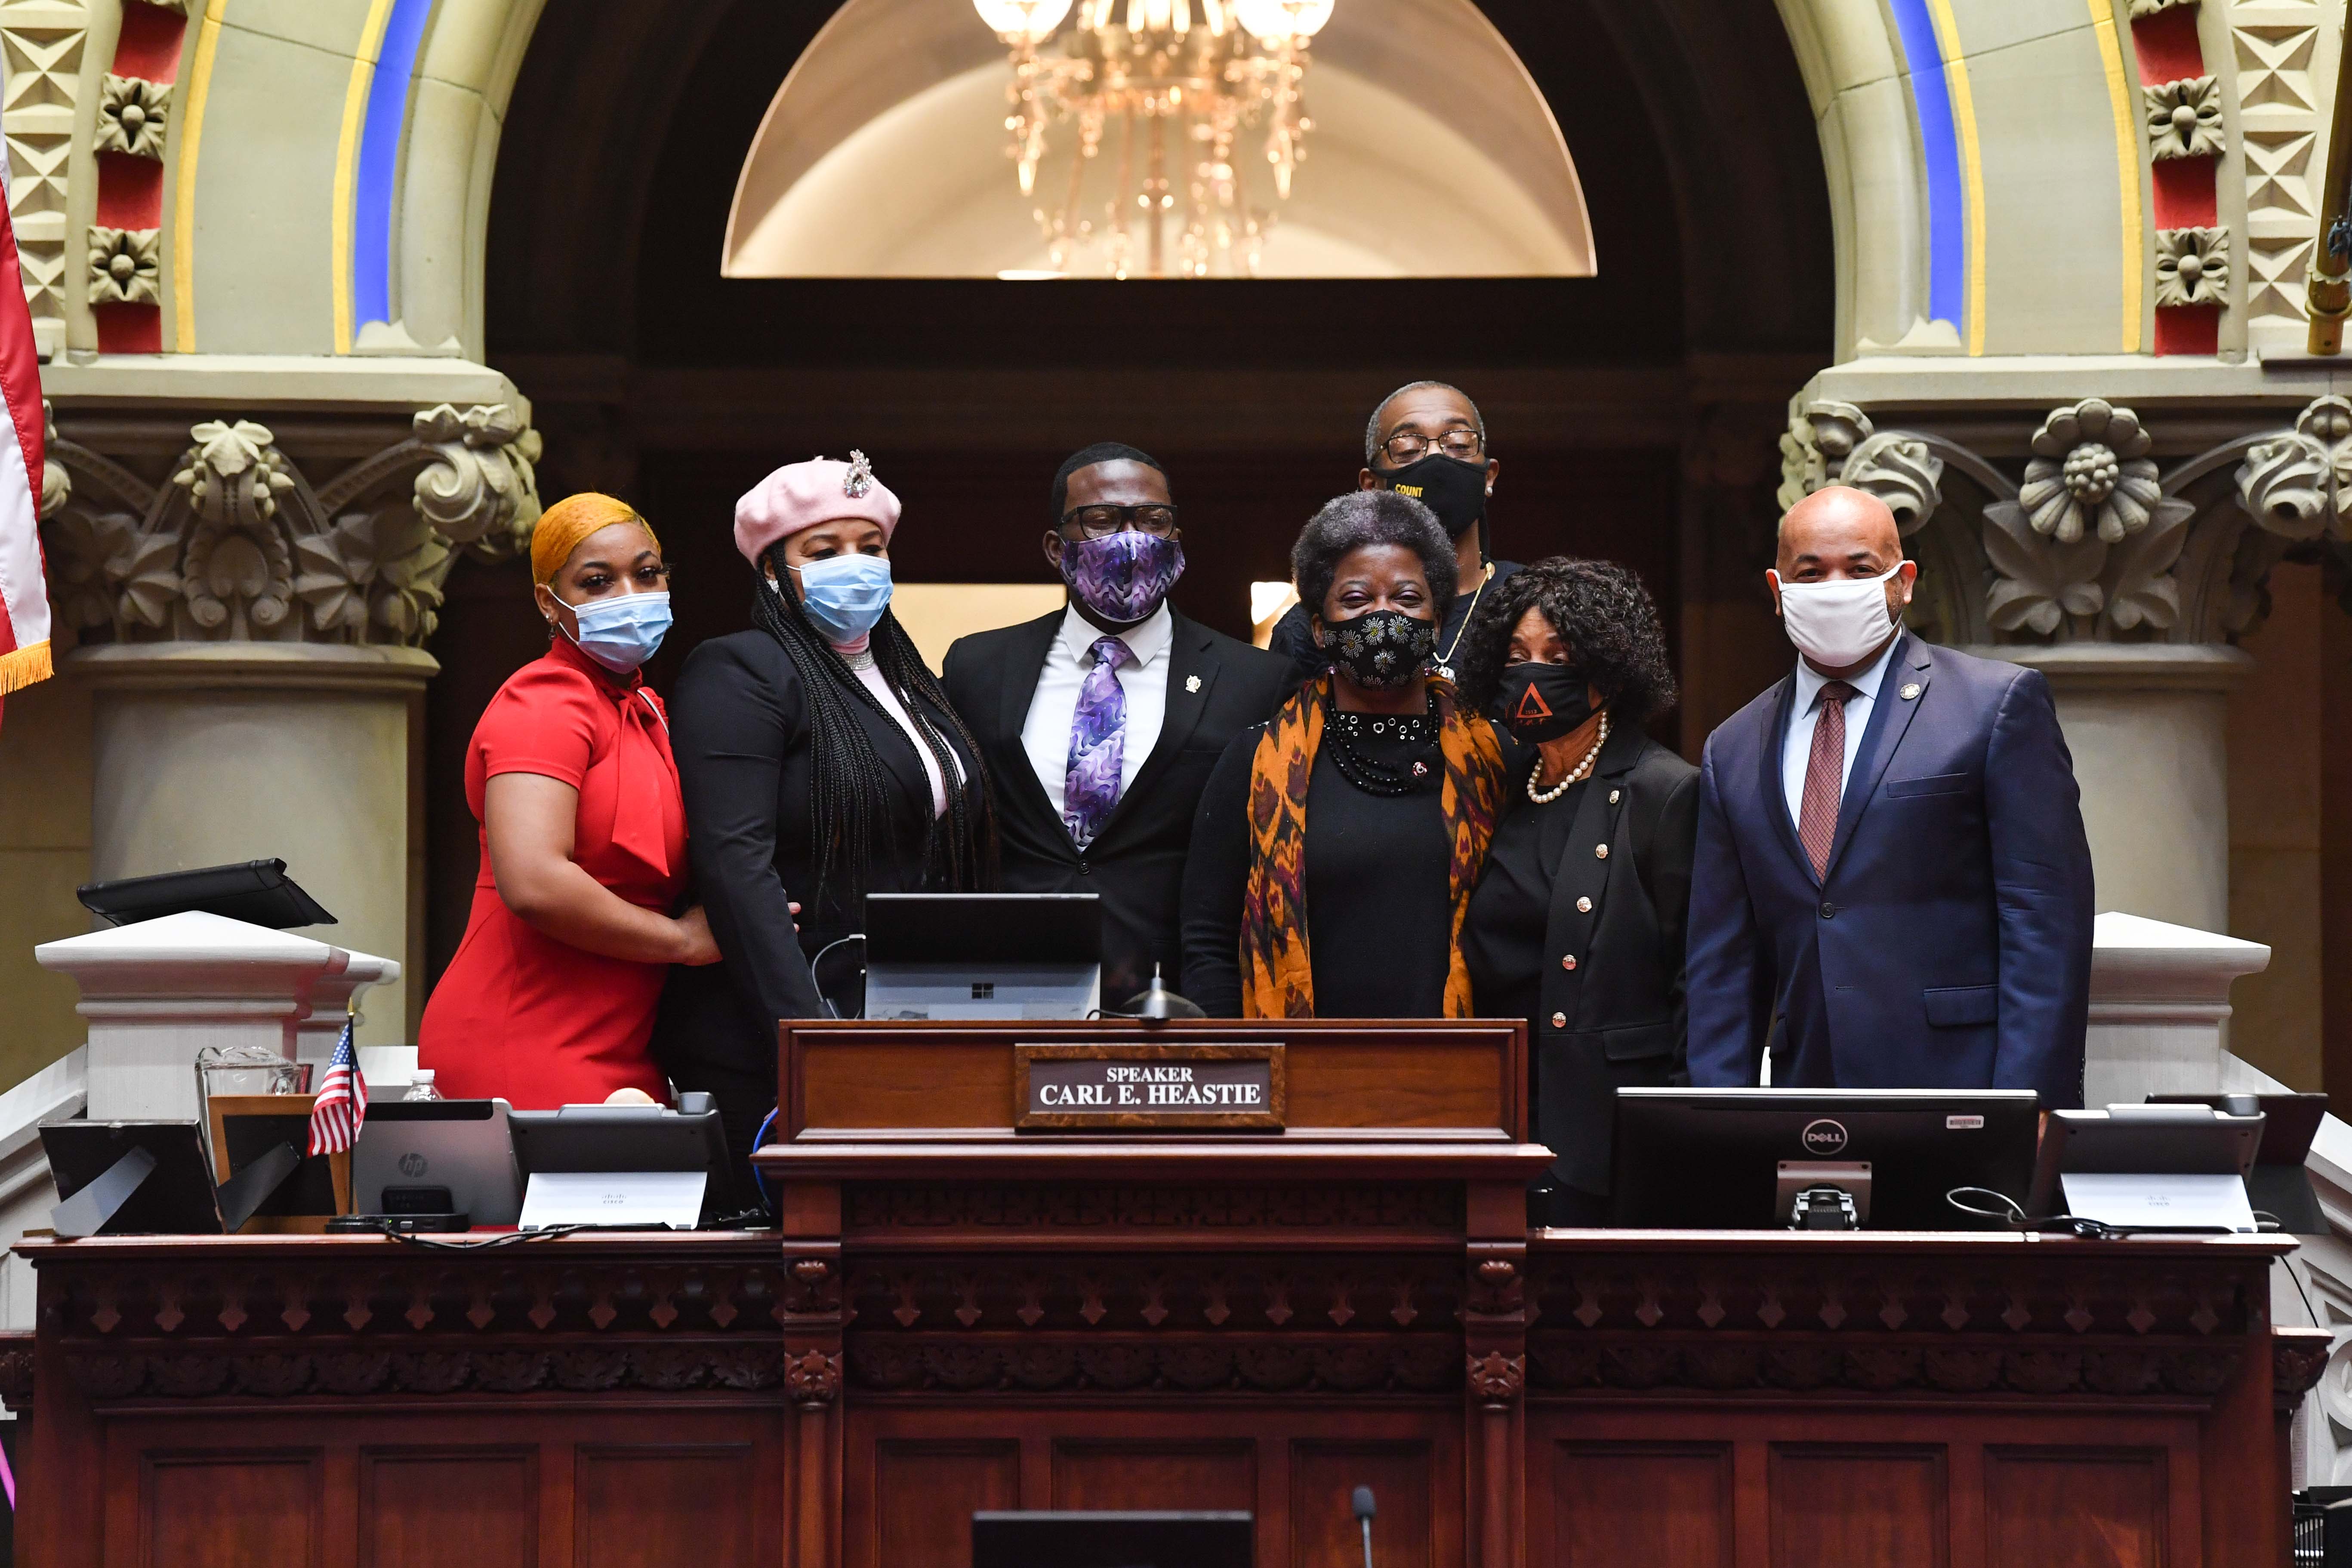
(1542, 702)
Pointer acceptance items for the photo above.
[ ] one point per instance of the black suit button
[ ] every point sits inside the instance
(1829, 911)
(1085, 869)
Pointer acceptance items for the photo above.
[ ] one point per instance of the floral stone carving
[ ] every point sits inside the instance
(1830, 442)
(125, 266)
(2091, 538)
(2184, 119)
(133, 116)
(2298, 484)
(2090, 473)
(2192, 266)
(237, 539)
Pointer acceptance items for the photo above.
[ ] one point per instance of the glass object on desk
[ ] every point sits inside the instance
(421, 1086)
(245, 1069)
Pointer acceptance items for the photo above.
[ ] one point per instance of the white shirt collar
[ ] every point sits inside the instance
(1148, 639)
(1810, 680)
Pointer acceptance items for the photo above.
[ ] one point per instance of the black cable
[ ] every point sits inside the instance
(505, 1238)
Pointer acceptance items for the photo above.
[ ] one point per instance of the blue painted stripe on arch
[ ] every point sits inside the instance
(1931, 99)
(379, 160)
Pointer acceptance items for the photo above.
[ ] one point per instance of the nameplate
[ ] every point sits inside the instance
(1140, 1087)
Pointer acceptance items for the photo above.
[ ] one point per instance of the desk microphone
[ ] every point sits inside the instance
(1365, 1508)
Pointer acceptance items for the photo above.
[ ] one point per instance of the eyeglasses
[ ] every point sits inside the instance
(1408, 446)
(1155, 517)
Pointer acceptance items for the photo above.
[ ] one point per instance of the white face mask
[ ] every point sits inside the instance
(1837, 623)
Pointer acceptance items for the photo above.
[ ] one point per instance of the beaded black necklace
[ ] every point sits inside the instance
(1384, 753)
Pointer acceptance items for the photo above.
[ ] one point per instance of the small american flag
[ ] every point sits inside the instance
(341, 1105)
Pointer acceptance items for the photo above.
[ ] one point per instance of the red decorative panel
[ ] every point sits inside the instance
(426, 1508)
(2065, 1507)
(925, 1493)
(1667, 1504)
(2165, 45)
(666, 1507)
(1155, 1475)
(1839, 1506)
(1323, 1480)
(230, 1510)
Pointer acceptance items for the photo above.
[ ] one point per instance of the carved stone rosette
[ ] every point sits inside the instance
(235, 544)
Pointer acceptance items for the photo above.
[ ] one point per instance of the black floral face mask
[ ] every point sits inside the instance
(1380, 650)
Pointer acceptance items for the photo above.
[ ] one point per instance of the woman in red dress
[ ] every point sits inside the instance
(550, 1000)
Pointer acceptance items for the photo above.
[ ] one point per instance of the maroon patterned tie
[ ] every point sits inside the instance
(1824, 778)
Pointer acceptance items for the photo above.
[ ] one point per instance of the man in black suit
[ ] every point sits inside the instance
(1100, 722)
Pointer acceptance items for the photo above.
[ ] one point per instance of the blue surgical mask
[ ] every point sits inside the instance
(844, 594)
(621, 632)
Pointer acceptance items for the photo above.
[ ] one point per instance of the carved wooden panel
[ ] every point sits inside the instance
(1833, 1504)
(682, 1507)
(1663, 1503)
(1323, 1479)
(231, 1509)
(925, 1493)
(1131, 1475)
(420, 1507)
(2069, 1508)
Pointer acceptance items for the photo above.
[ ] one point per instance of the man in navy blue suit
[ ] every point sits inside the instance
(1893, 887)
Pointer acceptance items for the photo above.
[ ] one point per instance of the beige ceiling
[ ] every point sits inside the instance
(883, 155)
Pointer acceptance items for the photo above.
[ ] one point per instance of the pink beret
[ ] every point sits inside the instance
(803, 495)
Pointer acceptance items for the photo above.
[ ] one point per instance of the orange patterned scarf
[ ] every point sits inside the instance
(1278, 973)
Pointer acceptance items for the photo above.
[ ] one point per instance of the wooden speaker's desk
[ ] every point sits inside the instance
(958, 1315)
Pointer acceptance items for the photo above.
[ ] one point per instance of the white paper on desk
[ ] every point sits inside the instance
(2159, 1203)
(641, 1198)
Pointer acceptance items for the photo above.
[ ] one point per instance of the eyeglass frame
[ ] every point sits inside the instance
(1477, 445)
(1125, 518)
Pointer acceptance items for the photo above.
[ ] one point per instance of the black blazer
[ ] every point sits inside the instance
(1136, 865)
(740, 730)
(1617, 1018)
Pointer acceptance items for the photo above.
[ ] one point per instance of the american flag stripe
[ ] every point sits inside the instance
(341, 1108)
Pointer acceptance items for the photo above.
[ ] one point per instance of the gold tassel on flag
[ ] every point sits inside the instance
(23, 667)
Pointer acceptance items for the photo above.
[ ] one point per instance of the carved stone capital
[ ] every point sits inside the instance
(1829, 442)
(133, 114)
(2184, 119)
(234, 544)
(2192, 266)
(2298, 483)
(125, 266)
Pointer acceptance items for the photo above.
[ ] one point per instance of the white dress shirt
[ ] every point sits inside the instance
(1069, 659)
(1806, 712)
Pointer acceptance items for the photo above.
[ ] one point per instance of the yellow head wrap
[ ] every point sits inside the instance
(564, 525)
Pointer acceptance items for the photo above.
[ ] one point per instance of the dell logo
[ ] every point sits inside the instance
(412, 1164)
(1823, 1137)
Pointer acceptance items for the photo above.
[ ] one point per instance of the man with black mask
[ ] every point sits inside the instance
(1426, 440)
(1099, 723)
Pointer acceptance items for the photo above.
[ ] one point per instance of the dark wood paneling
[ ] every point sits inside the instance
(230, 1510)
(1154, 1475)
(1838, 1507)
(449, 1508)
(925, 1493)
(666, 1507)
(1323, 1528)
(1669, 1506)
(2068, 1509)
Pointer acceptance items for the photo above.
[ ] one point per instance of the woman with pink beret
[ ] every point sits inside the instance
(820, 762)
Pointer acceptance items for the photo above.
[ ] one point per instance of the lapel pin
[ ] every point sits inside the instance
(1191, 683)
(1912, 690)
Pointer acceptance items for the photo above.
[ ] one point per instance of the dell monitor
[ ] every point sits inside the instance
(1741, 1159)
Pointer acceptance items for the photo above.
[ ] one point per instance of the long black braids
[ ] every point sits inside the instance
(848, 802)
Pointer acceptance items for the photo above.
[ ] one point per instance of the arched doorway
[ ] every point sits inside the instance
(1635, 410)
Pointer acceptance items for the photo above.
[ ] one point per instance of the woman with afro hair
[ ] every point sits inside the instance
(1578, 921)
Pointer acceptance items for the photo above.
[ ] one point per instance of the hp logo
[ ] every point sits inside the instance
(412, 1164)
(1823, 1137)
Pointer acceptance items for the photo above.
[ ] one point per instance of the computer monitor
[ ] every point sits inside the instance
(983, 956)
(1138, 1540)
(1733, 1159)
(463, 1146)
(169, 1191)
(597, 1164)
(259, 892)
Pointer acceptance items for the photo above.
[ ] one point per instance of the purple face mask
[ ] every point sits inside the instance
(1123, 576)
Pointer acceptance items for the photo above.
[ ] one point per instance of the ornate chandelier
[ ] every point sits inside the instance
(1168, 86)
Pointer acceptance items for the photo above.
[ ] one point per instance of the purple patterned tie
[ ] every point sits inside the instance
(1098, 745)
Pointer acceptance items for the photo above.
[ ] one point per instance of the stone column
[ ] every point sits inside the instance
(253, 642)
